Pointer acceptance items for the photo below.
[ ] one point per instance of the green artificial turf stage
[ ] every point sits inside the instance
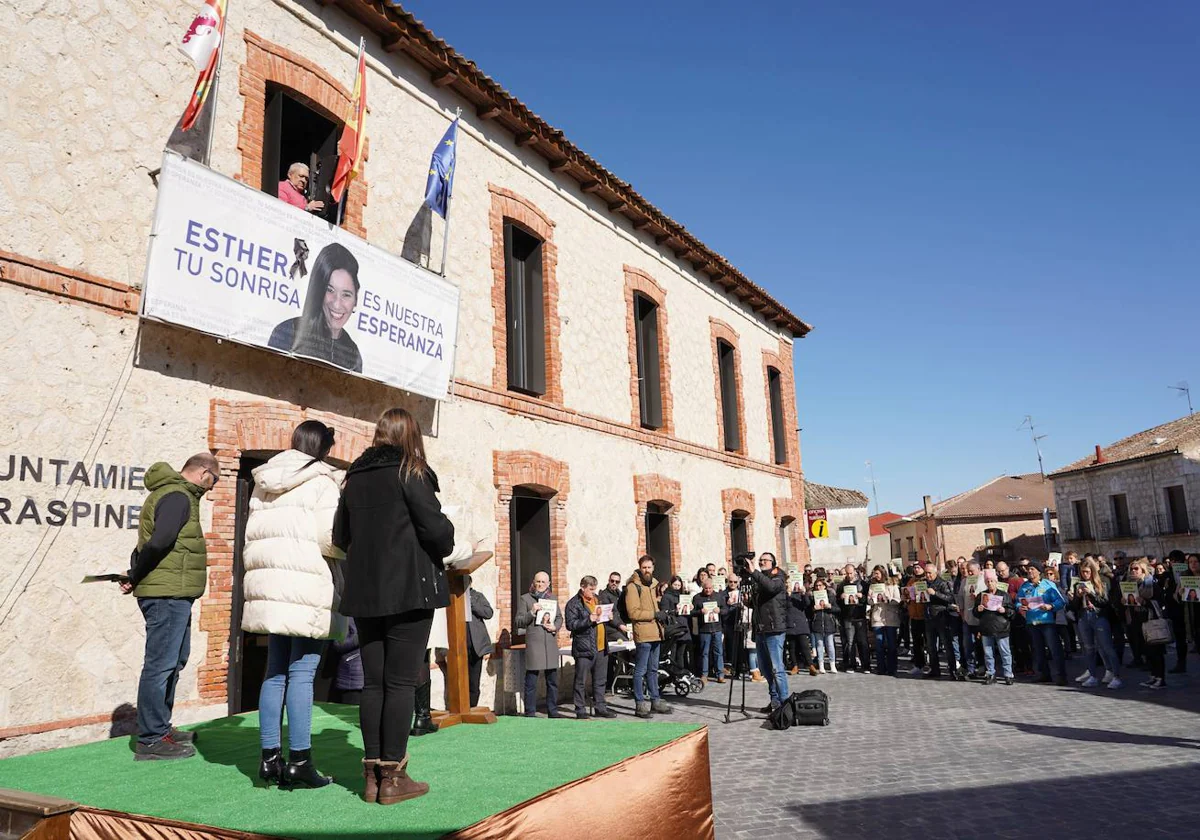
(474, 772)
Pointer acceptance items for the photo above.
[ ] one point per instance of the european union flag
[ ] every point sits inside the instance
(441, 172)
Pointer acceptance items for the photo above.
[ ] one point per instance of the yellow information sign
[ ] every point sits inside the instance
(818, 524)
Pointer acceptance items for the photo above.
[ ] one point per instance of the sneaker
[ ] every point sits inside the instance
(1115, 683)
(1107, 678)
(1146, 683)
(915, 671)
(832, 668)
(1156, 684)
(165, 749)
(1084, 677)
(1090, 682)
(659, 707)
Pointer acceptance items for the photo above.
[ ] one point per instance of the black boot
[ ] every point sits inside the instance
(270, 769)
(300, 771)
(422, 722)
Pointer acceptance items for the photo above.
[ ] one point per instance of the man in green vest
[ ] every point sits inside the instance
(168, 573)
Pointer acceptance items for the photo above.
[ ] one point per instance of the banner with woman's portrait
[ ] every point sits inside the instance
(237, 263)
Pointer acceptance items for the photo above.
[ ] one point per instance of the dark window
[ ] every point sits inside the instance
(1120, 512)
(525, 311)
(738, 537)
(727, 364)
(896, 549)
(1083, 523)
(530, 529)
(649, 366)
(1177, 510)
(295, 133)
(993, 537)
(658, 540)
(778, 433)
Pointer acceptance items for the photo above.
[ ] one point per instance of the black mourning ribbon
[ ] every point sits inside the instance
(300, 248)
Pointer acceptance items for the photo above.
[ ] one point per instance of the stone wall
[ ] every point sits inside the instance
(1143, 483)
(829, 552)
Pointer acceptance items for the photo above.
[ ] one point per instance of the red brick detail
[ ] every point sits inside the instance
(69, 283)
(787, 392)
(640, 282)
(789, 510)
(736, 500)
(550, 479)
(664, 492)
(123, 715)
(720, 330)
(508, 205)
(234, 428)
(796, 471)
(268, 63)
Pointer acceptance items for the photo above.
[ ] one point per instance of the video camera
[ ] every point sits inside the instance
(741, 564)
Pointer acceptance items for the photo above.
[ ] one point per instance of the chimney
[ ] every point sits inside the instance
(1099, 455)
(928, 501)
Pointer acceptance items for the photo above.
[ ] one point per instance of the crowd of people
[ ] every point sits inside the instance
(358, 557)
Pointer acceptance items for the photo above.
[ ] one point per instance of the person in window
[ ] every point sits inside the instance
(391, 526)
(320, 331)
(293, 189)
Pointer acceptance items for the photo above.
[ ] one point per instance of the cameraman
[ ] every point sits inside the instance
(770, 624)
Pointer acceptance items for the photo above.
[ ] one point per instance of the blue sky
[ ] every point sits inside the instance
(986, 210)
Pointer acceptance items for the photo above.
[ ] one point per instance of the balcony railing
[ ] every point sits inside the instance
(1167, 526)
(1109, 530)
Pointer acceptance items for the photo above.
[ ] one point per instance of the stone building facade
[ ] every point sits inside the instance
(1140, 495)
(94, 395)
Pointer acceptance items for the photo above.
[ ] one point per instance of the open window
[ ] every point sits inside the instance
(294, 132)
(739, 537)
(525, 311)
(649, 366)
(658, 539)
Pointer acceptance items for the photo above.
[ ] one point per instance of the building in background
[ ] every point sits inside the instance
(849, 526)
(618, 387)
(1140, 495)
(1007, 518)
(880, 545)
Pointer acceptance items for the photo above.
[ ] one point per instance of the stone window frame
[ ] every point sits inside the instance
(509, 206)
(640, 282)
(266, 64)
(652, 488)
(736, 500)
(719, 330)
(523, 468)
(787, 393)
(236, 427)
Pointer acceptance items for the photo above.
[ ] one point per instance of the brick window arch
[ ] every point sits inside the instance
(508, 206)
(513, 471)
(721, 332)
(665, 496)
(638, 282)
(270, 64)
(737, 502)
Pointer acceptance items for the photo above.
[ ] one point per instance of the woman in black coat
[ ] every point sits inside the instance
(799, 603)
(391, 526)
(678, 634)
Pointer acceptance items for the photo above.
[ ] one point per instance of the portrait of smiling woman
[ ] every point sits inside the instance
(320, 331)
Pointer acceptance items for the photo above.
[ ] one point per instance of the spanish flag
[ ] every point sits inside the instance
(202, 44)
(354, 134)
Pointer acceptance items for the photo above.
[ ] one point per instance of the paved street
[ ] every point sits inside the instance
(915, 758)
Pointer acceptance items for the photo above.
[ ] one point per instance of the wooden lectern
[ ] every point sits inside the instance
(458, 695)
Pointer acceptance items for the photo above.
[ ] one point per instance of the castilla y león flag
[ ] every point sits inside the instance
(202, 44)
(354, 134)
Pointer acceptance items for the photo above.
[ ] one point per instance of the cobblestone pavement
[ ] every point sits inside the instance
(905, 757)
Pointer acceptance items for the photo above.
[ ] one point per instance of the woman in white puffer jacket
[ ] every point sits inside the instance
(292, 590)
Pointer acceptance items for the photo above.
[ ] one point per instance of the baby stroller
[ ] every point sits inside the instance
(670, 675)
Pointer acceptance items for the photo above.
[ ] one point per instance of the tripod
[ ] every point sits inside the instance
(740, 626)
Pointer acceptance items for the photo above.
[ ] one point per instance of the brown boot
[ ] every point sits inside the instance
(395, 784)
(812, 670)
(371, 774)
(756, 676)
(795, 669)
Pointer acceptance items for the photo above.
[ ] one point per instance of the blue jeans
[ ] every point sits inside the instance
(714, 644)
(291, 665)
(887, 641)
(969, 635)
(989, 656)
(1046, 635)
(751, 656)
(1096, 637)
(825, 648)
(954, 626)
(168, 644)
(770, 657)
(646, 668)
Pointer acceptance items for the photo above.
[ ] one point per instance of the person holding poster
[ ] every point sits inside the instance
(885, 613)
(798, 628)
(1039, 601)
(1094, 616)
(320, 331)
(585, 620)
(994, 609)
(540, 619)
(824, 625)
(391, 526)
(712, 607)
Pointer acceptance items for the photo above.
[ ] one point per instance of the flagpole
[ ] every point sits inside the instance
(215, 92)
(341, 214)
(449, 198)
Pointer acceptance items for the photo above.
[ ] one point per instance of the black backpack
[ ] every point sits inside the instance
(804, 708)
